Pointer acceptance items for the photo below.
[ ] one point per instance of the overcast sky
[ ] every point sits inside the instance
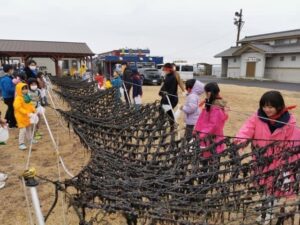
(192, 30)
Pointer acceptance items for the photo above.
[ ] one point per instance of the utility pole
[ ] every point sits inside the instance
(238, 21)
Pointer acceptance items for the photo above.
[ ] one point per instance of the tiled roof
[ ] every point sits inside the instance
(44, 47)
(282, 34)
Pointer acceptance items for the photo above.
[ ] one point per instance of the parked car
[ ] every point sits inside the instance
(150, 76)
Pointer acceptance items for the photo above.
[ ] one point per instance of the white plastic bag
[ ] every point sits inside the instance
(166, 107)
(34, 119)
(122, 92)
(177, 114)
(4, 135)
(40, 110)
(138, 100)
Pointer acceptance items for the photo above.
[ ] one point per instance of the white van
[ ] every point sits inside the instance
(185, 70)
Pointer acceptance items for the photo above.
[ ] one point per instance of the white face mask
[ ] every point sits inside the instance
(32, 67)
(33, 87)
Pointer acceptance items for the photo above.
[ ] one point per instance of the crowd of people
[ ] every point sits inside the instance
(24, 94)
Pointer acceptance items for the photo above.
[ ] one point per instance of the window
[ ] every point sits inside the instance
(65, 64)
(293, 58)
(187, 68)
(281, 58)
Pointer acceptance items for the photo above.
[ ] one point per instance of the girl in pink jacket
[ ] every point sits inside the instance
(272, 122)
(212, 119)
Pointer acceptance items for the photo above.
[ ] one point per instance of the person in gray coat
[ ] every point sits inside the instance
(191, 108)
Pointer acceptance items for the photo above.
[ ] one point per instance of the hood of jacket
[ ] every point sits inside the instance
(198, 88)
(19, 89)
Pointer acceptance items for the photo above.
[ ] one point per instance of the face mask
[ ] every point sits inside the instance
(27, 98)
(32, 67)
(33, 87)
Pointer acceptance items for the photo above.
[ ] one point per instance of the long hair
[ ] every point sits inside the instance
(214, 90)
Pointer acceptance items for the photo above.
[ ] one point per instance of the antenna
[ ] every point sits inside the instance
(238, 21)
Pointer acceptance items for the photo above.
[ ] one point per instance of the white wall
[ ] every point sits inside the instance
(46, 62)
(260, 64)
(286, 70)
(234, 67)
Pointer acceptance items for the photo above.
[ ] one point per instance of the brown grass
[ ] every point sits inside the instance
(13, 210)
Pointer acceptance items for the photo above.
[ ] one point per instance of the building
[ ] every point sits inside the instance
(53, 57)
(137, 58)
(274, 56)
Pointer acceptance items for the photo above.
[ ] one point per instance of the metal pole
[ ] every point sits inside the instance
(32, 183)
(36, 206)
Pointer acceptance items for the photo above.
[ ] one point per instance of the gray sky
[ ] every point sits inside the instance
(192, 30)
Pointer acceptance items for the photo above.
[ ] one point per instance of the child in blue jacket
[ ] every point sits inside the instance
(8, 93)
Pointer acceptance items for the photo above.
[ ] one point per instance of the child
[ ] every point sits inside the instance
(36, 99)
(100, 79)
(8, 93)
(43, 88)
(210, 124)
(194, 89)
(117, 83)
(272, 122)
(137, 91)
(24, 109)
(108, 84)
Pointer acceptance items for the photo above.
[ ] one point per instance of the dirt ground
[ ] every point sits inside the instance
(243, 101)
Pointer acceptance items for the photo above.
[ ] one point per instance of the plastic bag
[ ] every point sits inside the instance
(4, 135)
(34, 119)
(122, 92)
(166, 107)
(177, 114)
(138, 100)
(40, 110)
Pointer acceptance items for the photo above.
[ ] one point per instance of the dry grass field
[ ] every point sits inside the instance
(243, 101)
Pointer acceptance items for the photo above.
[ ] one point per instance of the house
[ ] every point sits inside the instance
(51, 56)
(274, 56)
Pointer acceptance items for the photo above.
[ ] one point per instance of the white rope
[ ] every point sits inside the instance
(126, 93)
(56, 147)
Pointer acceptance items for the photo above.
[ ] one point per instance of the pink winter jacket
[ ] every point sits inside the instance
(212, 123)
(254, 128)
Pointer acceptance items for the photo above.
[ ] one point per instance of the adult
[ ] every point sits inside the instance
(30, 69)
(127, 78)
(8, 94)
(169, 90)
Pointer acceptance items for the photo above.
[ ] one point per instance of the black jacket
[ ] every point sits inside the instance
(29, 73)
(127, 77)
(170, 86)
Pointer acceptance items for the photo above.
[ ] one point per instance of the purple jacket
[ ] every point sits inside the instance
(191, 106)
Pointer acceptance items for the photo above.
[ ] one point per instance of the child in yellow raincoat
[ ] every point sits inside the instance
(24, 109)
